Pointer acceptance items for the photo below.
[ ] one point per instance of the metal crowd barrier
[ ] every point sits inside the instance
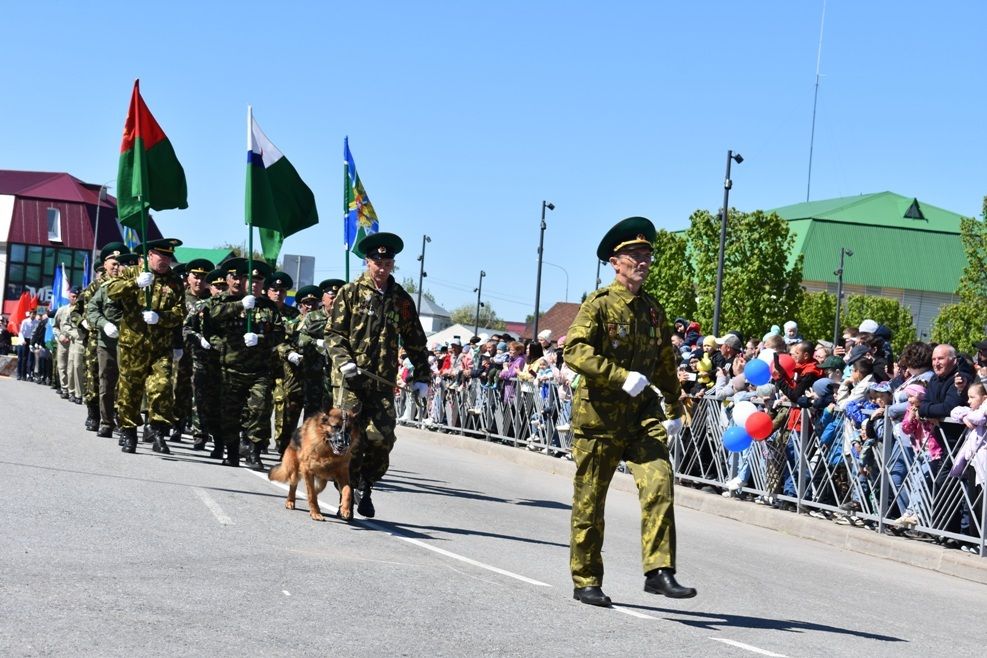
(825, 468)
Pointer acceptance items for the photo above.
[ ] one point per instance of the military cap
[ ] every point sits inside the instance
(181, 269)
(380, 245)
(75, 290)
(128, 259)
(216, 277)
(199, 266)
(113, 250)
(280, 280)
(332, 286)
(233, 265)
(240, 268)
(164, 245)
(630, 232)
(307, 294)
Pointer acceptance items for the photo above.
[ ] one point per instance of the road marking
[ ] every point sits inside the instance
(748, 647)
(213, 506)
(632, 613)
(286, 592)
(419, 543)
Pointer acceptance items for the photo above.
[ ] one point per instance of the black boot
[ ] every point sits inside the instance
(92, 419)
(176, 431)
(159, 434)
(246, 447)
(254, 461)
(662, 581)
(200, 442)
(104, 431)
(591, 595)
(129, 437)
(217, 449)
(232, 453)
(366, 506)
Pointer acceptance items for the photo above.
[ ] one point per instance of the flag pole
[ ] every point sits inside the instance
(346, 209)
(147, 257)
(250, 227)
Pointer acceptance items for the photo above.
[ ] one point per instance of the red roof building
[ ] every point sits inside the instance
(47, 218)
(557, 319)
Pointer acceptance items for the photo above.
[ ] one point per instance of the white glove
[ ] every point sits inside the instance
(295, 358)
(111, 330)
(205, 344)
(150, 317)
(421, 389)
(348, 370)
(321, 343)
(85, 325)
(250, 339)
(634, 384)
(177, 354)
(249, 301)
(144, 279)
(673, 426)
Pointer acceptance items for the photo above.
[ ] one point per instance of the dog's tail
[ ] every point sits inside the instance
(289, 460)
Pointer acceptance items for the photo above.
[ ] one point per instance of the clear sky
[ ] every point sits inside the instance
(464, 116)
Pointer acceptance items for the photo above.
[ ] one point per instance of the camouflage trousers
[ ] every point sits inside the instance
(109, 373)
(244, 403)
(91, 358)
(289, 398)
(205, 393)
(316, 394)
(77, 369)
(371, 454)
(144, 371)
(182, 389)
(596, 457)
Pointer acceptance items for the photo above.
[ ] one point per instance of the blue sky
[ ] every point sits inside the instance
(464, 116)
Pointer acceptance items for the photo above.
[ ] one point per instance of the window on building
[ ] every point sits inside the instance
(54, 225)
(32, 268)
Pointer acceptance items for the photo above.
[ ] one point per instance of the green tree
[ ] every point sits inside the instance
(964, 323)
(671, 276)
(240, 251)
(466, 316)
(760, 288)
(815, 315)
(882, 310)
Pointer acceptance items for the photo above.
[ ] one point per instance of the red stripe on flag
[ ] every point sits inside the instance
(140, 123)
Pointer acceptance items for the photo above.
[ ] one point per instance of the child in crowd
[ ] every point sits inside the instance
(974, 449)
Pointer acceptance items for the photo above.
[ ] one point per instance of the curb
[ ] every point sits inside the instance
(858, 540)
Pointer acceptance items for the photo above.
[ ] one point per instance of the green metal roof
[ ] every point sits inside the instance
(185, 254)
(897, 242)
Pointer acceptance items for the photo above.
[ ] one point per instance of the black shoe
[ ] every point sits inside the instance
(146, 434)
(200, 443)
(254, 461)
(591, 595)
(104, 431)
(128, 436)
(217, 450)
(160, 443)
(366, 506)
(662, 581)
(232, 453)
(246, 447)
(92, 420)
(64, 394)
(176, 432)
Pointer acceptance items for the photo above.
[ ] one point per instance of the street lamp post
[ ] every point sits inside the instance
(479, 291)
(839, 293)
(724, 212)
(545, 262)
(101, 197)
(421, 272)
(541, 248)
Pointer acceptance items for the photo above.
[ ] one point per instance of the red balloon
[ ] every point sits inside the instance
(758, 425)
(787, 364)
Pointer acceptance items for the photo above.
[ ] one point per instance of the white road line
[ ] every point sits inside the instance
(633, 613)
(748, 647)
(213, 506)
(416, 542)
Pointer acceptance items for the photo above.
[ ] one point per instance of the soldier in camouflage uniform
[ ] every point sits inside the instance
(620, 344)
(86, 340)
(205, 369)
(311, 341)
(62, 331)
(196, 291)
(286, 364)
(145, 351)
(368, 317)
(245, 360)
(104, 319)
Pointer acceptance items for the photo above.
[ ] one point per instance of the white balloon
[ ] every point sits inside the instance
(742, 411)
(768, 356)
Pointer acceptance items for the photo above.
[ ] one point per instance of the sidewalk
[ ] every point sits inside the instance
(859, 540)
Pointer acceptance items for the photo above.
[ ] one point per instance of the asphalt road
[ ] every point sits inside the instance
(103, 553)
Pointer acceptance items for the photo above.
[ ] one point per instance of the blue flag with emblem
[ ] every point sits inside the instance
(360, 218)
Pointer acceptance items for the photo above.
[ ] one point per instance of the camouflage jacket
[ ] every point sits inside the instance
(100, 310)
(195, 328)
(167, 300)
(292, 319)
(60, 324)
(365, 327)
(77, 318)
(615, 333)
(226, 323)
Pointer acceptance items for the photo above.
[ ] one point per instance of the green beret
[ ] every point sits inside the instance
(216, 277)
(113, 250)
(280, 280)
(331, 286)
(630, 232)
(199, 266)
(308, 294)
(380, 245)
(164, 245)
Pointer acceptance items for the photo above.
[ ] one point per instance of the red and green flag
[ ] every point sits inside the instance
(150, 175)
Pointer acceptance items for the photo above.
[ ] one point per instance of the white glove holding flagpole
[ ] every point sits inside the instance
(295, 358)
(249, 301)
(250, 339)
(144, 279)
(150, 317)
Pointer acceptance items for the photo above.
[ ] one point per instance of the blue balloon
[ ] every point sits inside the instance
(736, 439)
(757, 372)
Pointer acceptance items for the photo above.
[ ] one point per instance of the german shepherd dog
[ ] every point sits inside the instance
(319, 452)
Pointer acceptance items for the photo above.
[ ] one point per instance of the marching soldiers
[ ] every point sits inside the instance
(368, 317)
(62, 330)
(205, 369)
(245, 329)
(153, 308)
(620, 344)
(285, 364)
(196, 291)
(311, 341)
(83, 360)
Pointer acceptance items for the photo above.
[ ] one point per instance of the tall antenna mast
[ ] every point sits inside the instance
(815, 101)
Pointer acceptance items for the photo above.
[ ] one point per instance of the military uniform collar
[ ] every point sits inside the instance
(368, 281)
(621, 291)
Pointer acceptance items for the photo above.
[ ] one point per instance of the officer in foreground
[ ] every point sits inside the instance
(620, 344)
